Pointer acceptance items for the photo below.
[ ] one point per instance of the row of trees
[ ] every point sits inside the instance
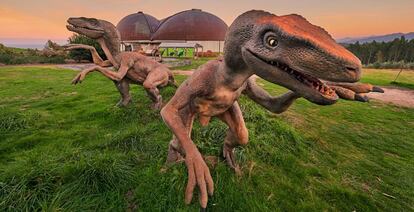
(399, 51)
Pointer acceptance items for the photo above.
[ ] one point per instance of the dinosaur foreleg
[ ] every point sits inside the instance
(277, 104)
(151, 83)
(112, 75)
(353, 91)
(357, 87)
(95, 56)
(237, 134)
(123, 88)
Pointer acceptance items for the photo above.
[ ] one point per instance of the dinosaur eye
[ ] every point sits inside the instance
(271, 41)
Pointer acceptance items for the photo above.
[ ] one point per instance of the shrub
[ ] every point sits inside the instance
(12, 56)
(208, 53)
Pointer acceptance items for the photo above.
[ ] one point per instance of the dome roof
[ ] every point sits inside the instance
(137, 26)
(191, 25)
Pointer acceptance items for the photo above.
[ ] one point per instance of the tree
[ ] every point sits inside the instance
(400, 50)
(380, 57)
(81, 54)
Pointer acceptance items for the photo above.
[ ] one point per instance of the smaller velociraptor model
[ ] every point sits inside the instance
(132, 67)
(285, 50)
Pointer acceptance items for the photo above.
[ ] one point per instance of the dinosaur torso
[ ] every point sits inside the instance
(141, 66)
(215, 98)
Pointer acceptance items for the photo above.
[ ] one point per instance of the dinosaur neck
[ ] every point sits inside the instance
(231, 77)
(110, 41)
(233, 68)
(113, 44)
(109, 52)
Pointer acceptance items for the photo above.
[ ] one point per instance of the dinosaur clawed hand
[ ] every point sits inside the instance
(79, 77)
(354, 91)
(198, 175)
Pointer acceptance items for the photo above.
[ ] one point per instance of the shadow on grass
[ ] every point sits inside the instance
(403, 84)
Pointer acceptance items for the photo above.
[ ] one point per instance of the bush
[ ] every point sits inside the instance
(81, 54)
(13, 56)
(208, 53)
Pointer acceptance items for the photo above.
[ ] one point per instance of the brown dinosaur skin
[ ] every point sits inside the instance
(285, 50)
(131, 67)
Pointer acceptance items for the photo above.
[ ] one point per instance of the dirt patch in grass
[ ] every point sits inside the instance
(398, 96)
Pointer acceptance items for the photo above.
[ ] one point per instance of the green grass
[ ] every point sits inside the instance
(194, 63)
(65, 147)
(386, 77)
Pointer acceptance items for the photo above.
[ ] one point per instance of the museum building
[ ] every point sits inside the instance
(141, 30)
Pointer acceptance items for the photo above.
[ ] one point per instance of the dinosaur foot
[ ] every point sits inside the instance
(377, 89)
(361, 98)
(124, 102)
(228, 154)
(156, 106)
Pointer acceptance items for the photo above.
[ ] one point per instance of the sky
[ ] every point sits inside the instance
(33, 21)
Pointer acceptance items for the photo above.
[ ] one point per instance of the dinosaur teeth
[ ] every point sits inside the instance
(307, 80)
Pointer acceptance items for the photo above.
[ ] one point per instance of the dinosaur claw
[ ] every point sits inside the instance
(361, 98)
(377, 89)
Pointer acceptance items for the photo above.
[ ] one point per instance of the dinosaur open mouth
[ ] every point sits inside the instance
(70, 26)
(305, 79)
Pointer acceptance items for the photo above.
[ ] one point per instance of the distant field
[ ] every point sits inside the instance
(65, 147)
(386, 77)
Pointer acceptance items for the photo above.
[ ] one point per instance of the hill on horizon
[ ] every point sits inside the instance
(377, 38)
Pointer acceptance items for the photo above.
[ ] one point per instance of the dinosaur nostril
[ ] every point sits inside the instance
(350, 68)
(353, 72)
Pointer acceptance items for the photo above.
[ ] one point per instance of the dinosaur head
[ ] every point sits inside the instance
(96, 29)
(291, 52)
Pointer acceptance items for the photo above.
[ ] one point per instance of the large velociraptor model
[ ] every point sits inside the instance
(131, 67)
(285, 50)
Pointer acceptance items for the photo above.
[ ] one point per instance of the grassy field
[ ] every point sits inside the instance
(65, 147)
(387, 77)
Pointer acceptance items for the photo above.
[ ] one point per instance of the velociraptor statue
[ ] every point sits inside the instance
(132, 67)
(285, 50)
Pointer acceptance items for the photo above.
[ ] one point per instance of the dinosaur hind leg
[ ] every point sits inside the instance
(123, 88)
(175, 151)
(237, 134)
(151, 83)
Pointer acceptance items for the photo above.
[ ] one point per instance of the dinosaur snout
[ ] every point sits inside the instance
(354, 70)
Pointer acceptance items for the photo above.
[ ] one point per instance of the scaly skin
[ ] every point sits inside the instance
(285, 50)
(131, 67)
